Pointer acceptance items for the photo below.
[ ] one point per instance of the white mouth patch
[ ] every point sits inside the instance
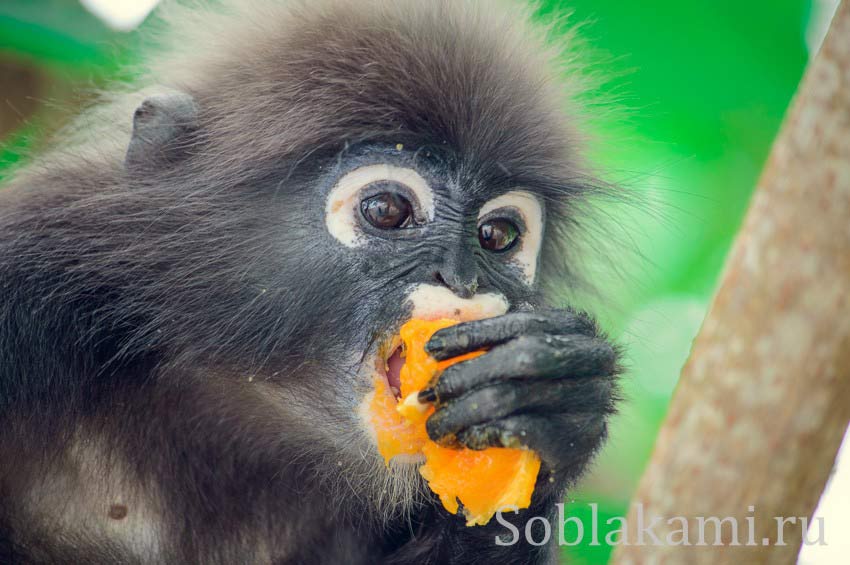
(344, 199)
(530, 210)
(431, 302)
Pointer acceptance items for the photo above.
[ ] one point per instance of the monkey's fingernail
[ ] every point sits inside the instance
(427, 395)
(435, 344)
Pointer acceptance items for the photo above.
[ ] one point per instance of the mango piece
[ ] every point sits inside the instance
(482, 481)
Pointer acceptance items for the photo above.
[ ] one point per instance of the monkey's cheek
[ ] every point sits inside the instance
(365, 418)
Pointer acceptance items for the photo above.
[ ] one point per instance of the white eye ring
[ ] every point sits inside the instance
(530, 210)
(343, 201)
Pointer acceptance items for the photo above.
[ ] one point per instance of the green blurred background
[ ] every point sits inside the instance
(702, 86)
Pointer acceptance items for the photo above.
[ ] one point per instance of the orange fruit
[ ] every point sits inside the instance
(484, 482)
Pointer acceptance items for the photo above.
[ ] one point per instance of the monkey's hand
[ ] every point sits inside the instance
(546, 383)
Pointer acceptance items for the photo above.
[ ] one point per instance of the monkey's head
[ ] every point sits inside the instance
(293, 198)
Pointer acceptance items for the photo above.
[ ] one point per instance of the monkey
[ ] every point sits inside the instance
(200, 276)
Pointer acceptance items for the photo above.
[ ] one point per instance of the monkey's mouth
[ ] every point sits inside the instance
(390, 362)
(428, 303)
(393, 370)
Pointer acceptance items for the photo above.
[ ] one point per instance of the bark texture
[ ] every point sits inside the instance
(764, 399)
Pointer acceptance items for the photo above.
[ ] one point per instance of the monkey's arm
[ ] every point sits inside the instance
(548, 382)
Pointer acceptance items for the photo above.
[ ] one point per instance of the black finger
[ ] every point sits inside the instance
(529, 358)
(495, 402)
(479, 334)
(565, 442)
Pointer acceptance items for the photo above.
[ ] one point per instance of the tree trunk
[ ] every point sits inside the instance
(764, 400)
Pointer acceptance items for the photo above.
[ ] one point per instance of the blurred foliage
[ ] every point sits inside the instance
(69, 51)
(704, 83)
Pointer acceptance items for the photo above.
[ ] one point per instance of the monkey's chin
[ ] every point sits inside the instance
(406, 459)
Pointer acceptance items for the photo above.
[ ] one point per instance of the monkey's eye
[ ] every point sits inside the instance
(387, 210)
(498, 234)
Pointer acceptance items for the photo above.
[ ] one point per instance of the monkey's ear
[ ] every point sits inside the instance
(163, 127)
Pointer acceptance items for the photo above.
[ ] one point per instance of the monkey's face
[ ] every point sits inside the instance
(406, 232)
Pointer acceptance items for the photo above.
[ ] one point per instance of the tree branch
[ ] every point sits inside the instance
(764, 400)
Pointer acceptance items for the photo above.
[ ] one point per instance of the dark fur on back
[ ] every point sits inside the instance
(136, 308)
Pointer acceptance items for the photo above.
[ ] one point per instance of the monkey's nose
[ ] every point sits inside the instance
(464, 289)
